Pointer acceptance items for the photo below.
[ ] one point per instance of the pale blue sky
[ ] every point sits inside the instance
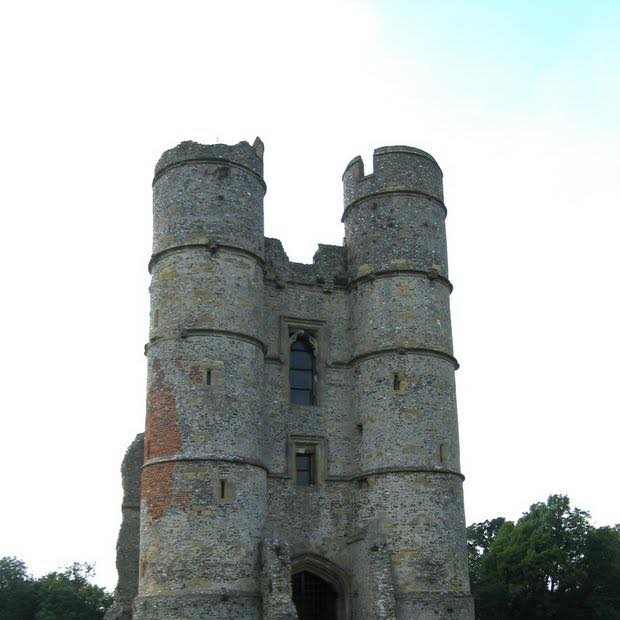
(504, 58)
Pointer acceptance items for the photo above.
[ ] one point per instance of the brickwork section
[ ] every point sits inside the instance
(162, 433)
(157, 489)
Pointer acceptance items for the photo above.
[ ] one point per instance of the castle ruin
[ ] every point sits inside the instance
(301, 454)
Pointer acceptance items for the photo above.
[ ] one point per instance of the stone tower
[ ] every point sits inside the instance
(301, 454)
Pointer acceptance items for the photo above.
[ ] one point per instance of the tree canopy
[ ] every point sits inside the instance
(64, 595)
(551, 563)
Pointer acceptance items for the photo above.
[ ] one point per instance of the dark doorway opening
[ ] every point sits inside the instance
(314, 598)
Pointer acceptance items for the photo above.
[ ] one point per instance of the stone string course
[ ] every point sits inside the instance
(214, 525)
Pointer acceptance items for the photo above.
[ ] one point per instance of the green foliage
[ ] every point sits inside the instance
(551, 564)
(480, 536)
(602, 567)
(17, 595)
(69, 595)
(65, 595)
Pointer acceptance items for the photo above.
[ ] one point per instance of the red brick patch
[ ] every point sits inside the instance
(157, 488)
(162, 437)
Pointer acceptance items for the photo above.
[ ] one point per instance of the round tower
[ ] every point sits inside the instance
(203, 490)
(403, 368)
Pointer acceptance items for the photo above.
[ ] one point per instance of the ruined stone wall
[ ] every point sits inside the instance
(223, 522)
(128, 545)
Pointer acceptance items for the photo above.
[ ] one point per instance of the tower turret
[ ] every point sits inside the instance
(203, 489)
(403, 371)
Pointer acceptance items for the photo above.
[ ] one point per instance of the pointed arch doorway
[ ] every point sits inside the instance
(314, 598)
(320, 589)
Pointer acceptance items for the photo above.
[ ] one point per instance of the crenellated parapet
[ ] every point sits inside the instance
(394, 217)
(242, 155)
(209, 196)
(395, 168)
(328, 267)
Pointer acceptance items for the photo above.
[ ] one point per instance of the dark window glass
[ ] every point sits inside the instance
(300, 379)
(301, 371)
(300, 359)
(301, 397)
(304, 465)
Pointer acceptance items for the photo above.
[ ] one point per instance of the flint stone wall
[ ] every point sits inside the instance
(223, 524)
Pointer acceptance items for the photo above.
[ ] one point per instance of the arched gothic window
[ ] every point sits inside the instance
(302, 369)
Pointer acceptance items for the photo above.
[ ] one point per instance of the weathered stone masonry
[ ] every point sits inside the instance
(224, 524)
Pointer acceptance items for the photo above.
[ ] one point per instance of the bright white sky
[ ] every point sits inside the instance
(518, 101)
